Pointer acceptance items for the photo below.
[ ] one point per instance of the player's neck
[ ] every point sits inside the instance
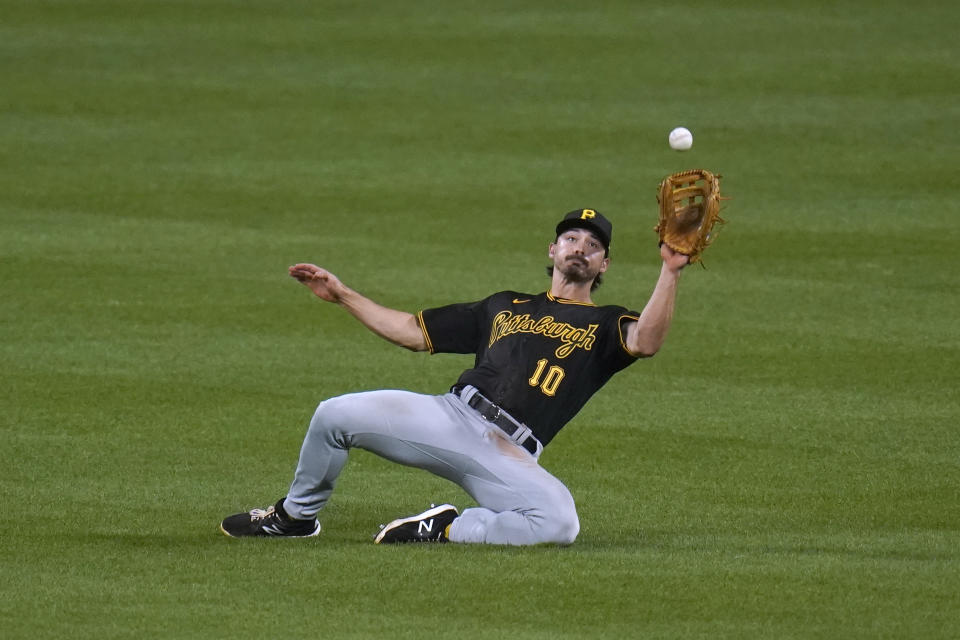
(569, 290)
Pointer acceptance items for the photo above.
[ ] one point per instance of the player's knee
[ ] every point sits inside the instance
(329, 417)
(321, 418)
(561, 528)
(559, 523)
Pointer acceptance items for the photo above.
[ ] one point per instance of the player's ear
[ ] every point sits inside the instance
(604, 265)
(551, 249)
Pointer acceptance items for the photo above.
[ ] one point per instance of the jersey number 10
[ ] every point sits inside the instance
(548, 383)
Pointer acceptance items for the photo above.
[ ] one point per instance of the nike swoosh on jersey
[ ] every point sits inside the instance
(519, 301)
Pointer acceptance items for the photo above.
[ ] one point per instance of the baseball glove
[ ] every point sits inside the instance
(689, 210)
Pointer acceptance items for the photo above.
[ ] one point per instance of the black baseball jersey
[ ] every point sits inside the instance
(539, 357)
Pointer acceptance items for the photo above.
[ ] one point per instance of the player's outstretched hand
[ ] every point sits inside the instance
(324, 284)
(673, 259)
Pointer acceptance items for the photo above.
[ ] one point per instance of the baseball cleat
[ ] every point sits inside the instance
(429, 526)
(272, 522)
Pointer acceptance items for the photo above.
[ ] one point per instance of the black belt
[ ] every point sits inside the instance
(518, 432)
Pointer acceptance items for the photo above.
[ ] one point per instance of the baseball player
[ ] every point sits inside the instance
(539, 358)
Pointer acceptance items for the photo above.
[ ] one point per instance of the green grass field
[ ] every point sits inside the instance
(787, 467)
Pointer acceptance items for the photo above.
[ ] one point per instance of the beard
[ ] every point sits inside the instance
(576, 270)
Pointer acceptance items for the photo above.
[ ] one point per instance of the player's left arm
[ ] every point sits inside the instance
(645, 336)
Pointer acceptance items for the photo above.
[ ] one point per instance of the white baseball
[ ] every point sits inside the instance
(681, 139)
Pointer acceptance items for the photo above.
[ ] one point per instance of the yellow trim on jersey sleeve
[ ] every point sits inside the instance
(423, 328)
(623, 340)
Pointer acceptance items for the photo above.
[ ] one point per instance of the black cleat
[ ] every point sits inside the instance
(429, 526)
(270, 522)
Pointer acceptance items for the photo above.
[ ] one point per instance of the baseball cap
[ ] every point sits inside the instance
(589, 219)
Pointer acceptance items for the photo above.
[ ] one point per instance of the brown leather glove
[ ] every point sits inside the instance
(689, 210)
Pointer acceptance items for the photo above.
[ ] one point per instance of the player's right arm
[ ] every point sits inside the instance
(398, 327)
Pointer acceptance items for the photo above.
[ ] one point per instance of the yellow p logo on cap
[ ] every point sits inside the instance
(587, 214)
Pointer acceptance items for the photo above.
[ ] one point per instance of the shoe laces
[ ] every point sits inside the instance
(260, 514)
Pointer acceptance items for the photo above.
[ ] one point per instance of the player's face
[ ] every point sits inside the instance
(579, 255)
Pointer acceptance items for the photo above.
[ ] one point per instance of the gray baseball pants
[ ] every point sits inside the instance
(520, 503)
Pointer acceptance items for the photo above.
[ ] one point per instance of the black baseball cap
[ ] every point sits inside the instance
(591, 220)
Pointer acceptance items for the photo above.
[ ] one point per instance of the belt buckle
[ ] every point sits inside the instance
(494, 416)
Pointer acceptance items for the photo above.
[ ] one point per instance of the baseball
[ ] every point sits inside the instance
(681, 139)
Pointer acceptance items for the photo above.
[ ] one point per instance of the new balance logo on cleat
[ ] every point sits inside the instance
(272, 522)
(429, 526)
